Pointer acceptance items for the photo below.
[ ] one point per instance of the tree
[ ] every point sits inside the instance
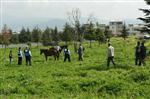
(25, 35)
(74, 18)
(46, 36)
(146, 19)
(67, 33)
(124, 32)
(36, 35)
(90, 33)
(107, 33)
(15, 39)
(55, 35)
(28, 32)
(99, 35)
(6, 37)
(1, 39)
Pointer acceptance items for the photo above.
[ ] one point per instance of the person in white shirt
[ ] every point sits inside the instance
(20, 55)
(110, 55)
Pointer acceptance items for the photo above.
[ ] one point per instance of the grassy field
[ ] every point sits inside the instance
(90, 79)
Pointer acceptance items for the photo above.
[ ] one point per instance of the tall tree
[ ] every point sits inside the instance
(6, 37)
(36, 35)
(15, 38)
(24, 35)
(46, 36)
(124, 32)
(90, 33)
(28, 33)
(67, 33)
(100, 37)
(55, 35)
(146, 19)
(74, 18)
(107, 33)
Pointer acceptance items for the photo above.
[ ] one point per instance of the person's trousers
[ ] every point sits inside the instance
(137, 60)
(19, 60)
(142, 61)
(28, 60)
(67, 57)
(110, 59)
(10, 59)
(80, 57)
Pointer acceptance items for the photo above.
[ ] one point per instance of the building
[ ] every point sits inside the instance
(116, 27)
(134, 28)
(102, 27)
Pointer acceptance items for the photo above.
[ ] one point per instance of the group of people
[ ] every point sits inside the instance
(27, 54)
(140, 54)
(67, 55)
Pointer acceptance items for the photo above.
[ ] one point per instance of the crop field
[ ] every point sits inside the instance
(88, 79)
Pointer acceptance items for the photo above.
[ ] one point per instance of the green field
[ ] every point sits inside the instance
(90, 79)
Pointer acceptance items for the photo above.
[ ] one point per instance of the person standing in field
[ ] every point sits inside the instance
(80, 52)
(67, 55)
(110, 54)
(137, 53)
(10, 56)
(142, 54)
(28, 55)
(20, 55)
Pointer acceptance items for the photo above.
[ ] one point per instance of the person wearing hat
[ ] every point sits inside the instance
(110, 54)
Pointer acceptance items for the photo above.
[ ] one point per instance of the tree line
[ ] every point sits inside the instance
(53, 35)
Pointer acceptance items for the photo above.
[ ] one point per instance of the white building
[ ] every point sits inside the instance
(102, 26)
(134, 28)
(116, 27)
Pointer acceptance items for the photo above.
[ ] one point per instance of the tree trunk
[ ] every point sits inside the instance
(99, 43)
(5, 55)
(66, 43)
(37, 44)
(75, 46)
(90, 44)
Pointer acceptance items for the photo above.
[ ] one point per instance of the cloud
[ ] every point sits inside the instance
(32, 11)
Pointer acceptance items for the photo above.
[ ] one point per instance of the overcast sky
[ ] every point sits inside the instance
(29, 10)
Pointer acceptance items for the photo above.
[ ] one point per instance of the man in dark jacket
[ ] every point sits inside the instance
(137, 53)
(142, 54)
(28, 55)
(67, 54)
